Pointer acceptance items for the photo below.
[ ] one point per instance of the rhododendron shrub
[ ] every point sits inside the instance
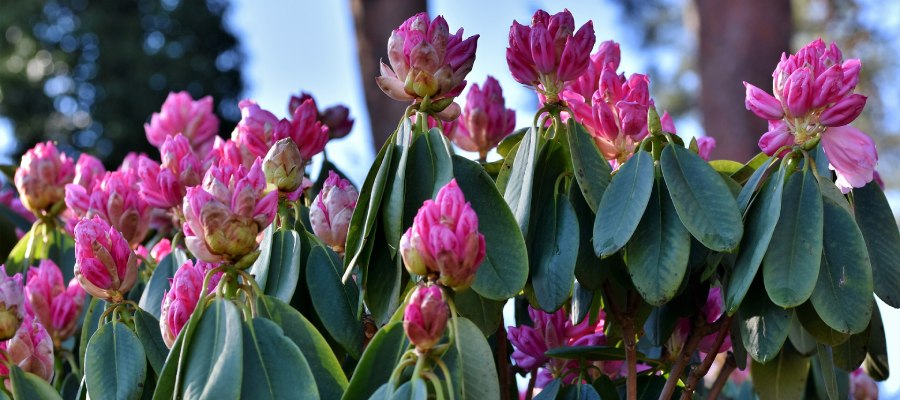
(633, 262)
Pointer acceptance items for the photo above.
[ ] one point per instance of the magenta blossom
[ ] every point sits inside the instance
(304, 129)
(331, 210)
(180, 113)
(425, 317)
(485, 121)
(336, 118)
(105, 265)
(255, 133)
(225, 152)
(161, 249)
(12, 303)
(31, 349)
(115, 198)
(56, 305)
(428, 62)
(444, 239)
(549, 53)
(88, 170)
(608, 54)
(851, 153)
(179, 303)
(226, 215)
(42, 177)
(163, 185)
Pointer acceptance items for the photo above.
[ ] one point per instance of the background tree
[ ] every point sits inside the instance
(88, 73)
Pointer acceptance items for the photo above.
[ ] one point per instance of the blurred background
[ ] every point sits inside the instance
(88, 73)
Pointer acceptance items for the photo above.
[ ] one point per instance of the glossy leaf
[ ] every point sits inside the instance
(94, 308)
(782, 379)
(392, 209)
(213, 364)
(476, 360)
(335, 303)
(623, 204)
(260, 267)
(764, 326)
(430, 168)
(274, 368)
(486, 314)
(826, 366)
(368, 205)
(592, 171)
(803, 341)
(519, 187)
(284, 264)
(385, 348)
(876, 363)
(25, 385)
(748, 192)
(147, 329)
(152, 297)
(814, 325)
(554, 253)
(115, 365)
(589, 270)
(879, 228)
(850, 355)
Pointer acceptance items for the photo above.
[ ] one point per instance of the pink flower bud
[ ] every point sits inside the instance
(331, 210)
(284, 166)
(850, 70)
(226, 215)
(607, 54)
(425, 317)
(163, 185)
(777, 137)
(105, 266)
(572, 63)
(762, 104)
(88, 170)
(827, 87)
(705, 146)
(12, 303)
(426, 60)
(862, 386)
(42, 177)
(255, 133)
(844, 111)
(161, 249)
(797, 93)
(337, 119)
(444, 236)
(667, 123)
(116, 199)
(180, 113)
(179, 303)
(485, 120)
(712, 310)
(31, 349)
(851, 154)
(225, 152)
(304, 129)
(55, 305)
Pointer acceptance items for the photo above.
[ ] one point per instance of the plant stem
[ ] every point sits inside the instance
(722, 379)
(630, 356)
(703, 368)
(684, 358)
(529, 393)
(503, 362)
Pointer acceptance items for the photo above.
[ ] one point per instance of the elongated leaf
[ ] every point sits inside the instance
(365, 214)
(415, 389)
(592, 171)
(504, 270)
(589, 353)
(702, 198)
(659, 250)
(392, 211)
(92, 313)
(764, 326)
(485, 313)
(26, 385)
(382, 283)
(335, 303)
(803, 341)
(521, 179)
(274, 368)
(430, 168)
(151, 298)
(826, 365)
(842, 294)
(876, 221)
(284, 264)
(876, 363)
(851, 354)
(214, 359)
(551, 391)
(385, 348)
(814, 325)
(479, 376)
(147, 329)
(554, 254)
(588, 269)
(623, 204)
(582, 300)
(791, 264)
(115, 365)
(782, 379)
(746, 195)
(761, 221)
(18, 256)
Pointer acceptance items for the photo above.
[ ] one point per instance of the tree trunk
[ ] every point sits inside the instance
(374, 20)
(739, 41)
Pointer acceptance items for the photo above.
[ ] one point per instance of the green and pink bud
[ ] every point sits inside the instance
(425, 317)
(283, 166)
(332, 209)
(56, 305)
(180, 301)
(42, 177)
(182, 114)
(105, 265)
(485, 121)
(12, 303)
(31, 349)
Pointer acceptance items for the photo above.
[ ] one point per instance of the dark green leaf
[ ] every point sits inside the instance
(509, 142)
(588, 270)
(25, 385)
(92, 313)
(660, 325)
(115, 365)
(147, 329)
(485, 313)
(791, 264)
(764, 326)
(416, 389)
(14, 218)
(582, 299)
(876, 221)
(274, 368)
(260, 268)
(826, 366)
(151, 298)
(392, 212)
(782, 379)
(384, 350)
(592, 171)
(659, 250)
(851, 354)
(335, 303)
(623, 204)
(479, 376)
(803, 341)
(213, 363)
(32, 242)
(551, 391)
(431, 167)
(284, 264)
(364, 216)
(876, 363)
(519, 187)
(553, 254)
(746, 195)
(702, 198)
(818, 328)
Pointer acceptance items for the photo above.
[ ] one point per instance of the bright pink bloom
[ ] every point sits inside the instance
(105, 265)
(427, 61)
(161, 249)
(54, 304)
(608, 54)
(304, 129)
(444, 239)
(336, 118)
(844, 111)
(115, 198)
(706, 145)
(851, 154)
(180, 113)
(226, 152)
(88, 170)
(12, 303)
(425, 317)
(226, 215)
(30, 349)
(179, 303)
(331, 210)
(42, 177)
(550, 52)
(762, 104)
(163, 185)
(777, 137)
(485, 121)
(255, 133)
(667, 123)
(862, 386)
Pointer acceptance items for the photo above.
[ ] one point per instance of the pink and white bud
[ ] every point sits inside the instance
(42, 177)
(332, 209)
(777, 137)
(181, 300)
(31, 349)
(843, 112)
(88, 170)
(56, 305)
(180, 113)
(12, 303)
(117, 199)
(304, 129)
(851, 154)
(105, 265)
(425, 317)
(762, 104)
(161, 249)
(163, 185)
(485, 121)
(255, 133)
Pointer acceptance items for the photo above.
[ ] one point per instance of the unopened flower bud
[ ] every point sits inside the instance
(283, 165)
(12, 307)
(54, 304)
(332, 209)
(105, 265)
(425, 317)
(182, 114)
(180, 301)
(42, 176)
(31, 349)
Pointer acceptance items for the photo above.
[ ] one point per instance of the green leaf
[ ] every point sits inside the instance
(588, 269)
(151, 298)
(782, 379)
(373, 368)
(485, 313)
(726, 166)
(519, 186)
(879, 228)
(26, 385)
(382, 282)
(876, 363)
(791, 264)
(826, 366)
(504, 270)
(746, 195)
(660, 325)
(702, 199)
(479, 376)
(431, 167)
(803, 341)
(650, 387)
(842, 296)
(330, 379)
(392, 212)
(147, 329)
(212, 365)
(582, 300)
(762, 219)
(368, 204)
(115, 364)
(334, 302)
(764, 326)
(623, 204)
(851, 354)
(415, 389)
(509, 143)
(592, 171)
(814, 325)
(92, 313)
(18, 256)
(551, 391)
(260, 268)
(553, 254)
(274, 368)
(657, 254)
(284, 264)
